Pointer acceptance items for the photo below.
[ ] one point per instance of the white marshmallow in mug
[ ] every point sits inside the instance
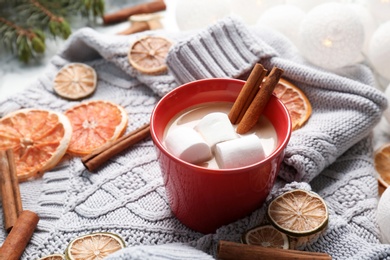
(215, 128)
(239, 152)
(188, 145)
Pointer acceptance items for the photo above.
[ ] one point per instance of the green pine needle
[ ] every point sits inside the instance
(26, 24)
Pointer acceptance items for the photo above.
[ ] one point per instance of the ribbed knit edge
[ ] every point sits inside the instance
(225, 49)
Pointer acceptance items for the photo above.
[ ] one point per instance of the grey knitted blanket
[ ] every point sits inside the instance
(331, 154)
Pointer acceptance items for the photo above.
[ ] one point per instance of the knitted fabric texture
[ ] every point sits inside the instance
(330, 155)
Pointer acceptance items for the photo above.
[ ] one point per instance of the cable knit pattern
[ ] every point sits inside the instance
(331, 155)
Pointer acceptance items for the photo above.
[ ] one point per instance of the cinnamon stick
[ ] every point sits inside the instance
(141, 26)
(236, 251)
(258, 104)
(17, 240)
(9, 187)
(247, 93)
(93, 160)
(124, 14)
(136, 27)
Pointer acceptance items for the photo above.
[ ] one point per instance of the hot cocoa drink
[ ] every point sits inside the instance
(193, 129)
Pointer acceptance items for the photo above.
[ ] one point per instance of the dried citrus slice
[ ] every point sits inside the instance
(94, 246)
(266, 236)
(39, 139)
(382, 164)
(148, 54)
(53, 257)
(296, 102)
(95, 123)
(298, 213)
(75, 81)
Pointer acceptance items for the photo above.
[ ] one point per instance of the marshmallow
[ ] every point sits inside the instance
(187, 144)
(239, 152)
(216, 128)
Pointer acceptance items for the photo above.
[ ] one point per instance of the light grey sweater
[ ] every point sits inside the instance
(331, 154)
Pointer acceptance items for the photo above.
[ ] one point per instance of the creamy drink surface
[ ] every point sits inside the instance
(191, 116)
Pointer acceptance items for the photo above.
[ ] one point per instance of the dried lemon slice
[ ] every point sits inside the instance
(94, 246)
(298, 213)
(266, 236)
(53, 257)
(148, 54)
(38, 138)
(94, 124)
(382, 164)
(75, 81)
(296, 102)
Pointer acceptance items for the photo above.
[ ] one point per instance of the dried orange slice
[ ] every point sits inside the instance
(266, 236)
(296, 102)
(39, 139)
(298, 213)
(382, 164)
(94, 246)
(53, 257)
(95, 123)
(148, 54)
(75, 81)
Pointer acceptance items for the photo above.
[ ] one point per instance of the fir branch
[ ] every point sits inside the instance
(25, 23)
(43, 18)
(24, 41)
(19, 30)
(44, 10)
(96, 7)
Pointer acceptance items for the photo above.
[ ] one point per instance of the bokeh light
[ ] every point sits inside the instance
(331, 36)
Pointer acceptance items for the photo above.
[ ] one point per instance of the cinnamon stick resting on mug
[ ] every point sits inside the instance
(259, 102)
(93, 160)
(247, 93)
(124, 14)
(9, 187)
(235, 251)
(17, 240)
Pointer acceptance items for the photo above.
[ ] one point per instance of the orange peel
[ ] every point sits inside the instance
(39, 139)
(94, 124)
(296, 101)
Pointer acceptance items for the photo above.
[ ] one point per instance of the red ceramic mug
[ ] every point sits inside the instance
(205, 199)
